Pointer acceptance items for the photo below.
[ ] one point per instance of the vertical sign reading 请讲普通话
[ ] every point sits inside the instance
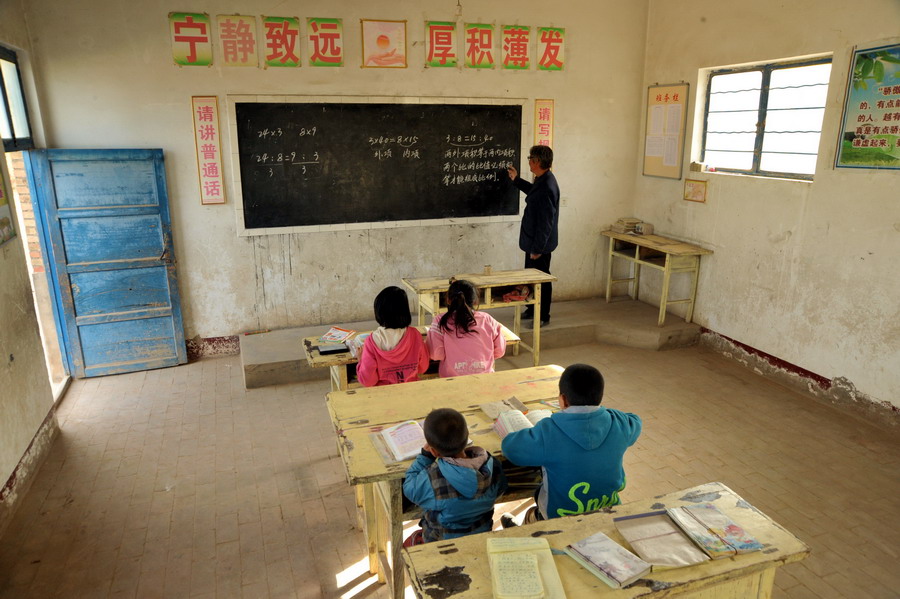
(209, 149)
(191, 38)
(543, 123)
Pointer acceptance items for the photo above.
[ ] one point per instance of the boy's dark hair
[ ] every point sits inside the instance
(446, 431)
(462, 297)
(392, 308)
(582, 385)
(543, 154)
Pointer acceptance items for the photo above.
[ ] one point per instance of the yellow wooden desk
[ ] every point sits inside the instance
(337, 363)
(668, 255)
(357, 413)
(430, 293)
(459, 568)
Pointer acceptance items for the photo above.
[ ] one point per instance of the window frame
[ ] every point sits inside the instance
(766, 69)
(15, 144)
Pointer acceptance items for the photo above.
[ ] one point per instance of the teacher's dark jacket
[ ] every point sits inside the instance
(539, 232)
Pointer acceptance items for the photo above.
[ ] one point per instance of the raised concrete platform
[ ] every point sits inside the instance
(277, 357)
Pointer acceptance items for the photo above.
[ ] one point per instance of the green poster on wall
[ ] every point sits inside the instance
(870, 131)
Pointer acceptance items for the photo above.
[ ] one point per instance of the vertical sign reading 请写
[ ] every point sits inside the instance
(281, 35)
(326, 44)
(209, 149)
(191, 45)
(543, 123)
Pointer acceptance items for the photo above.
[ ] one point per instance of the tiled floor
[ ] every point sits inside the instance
(180, 483)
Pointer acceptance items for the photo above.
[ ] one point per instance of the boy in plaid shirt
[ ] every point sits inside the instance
(456, 486)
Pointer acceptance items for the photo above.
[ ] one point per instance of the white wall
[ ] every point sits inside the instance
(803, 271)
(107, 79)
(25, 394)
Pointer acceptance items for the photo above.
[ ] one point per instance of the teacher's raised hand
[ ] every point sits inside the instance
(513, 173)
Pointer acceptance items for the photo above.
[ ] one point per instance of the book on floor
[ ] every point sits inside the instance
(715, 533)
(511, 421)
(404, 440)
(523, 568)
(656, 538)
(607, 560)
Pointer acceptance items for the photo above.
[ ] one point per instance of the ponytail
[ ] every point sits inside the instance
(462, 297)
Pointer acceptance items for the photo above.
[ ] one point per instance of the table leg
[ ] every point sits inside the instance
(609, 270)
(339, 381)
(398, 573)
(517, 327)
(536, 339)
(695, 275)
(664, 296)
(637, 281)
(370, 525)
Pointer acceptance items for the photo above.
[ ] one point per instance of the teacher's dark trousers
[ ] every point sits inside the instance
(543, 265)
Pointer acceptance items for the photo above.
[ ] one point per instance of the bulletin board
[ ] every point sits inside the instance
(664, 130)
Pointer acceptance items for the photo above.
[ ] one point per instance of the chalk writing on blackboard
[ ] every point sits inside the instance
(328, 163)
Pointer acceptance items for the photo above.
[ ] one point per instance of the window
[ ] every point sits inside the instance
(14, 126)
(766, 119)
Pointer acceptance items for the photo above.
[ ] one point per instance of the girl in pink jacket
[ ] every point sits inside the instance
(394, 352)
(464, 340)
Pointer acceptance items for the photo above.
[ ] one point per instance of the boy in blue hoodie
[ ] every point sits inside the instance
(580, 448)
(456, 486)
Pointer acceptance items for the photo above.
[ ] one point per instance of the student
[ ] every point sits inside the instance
(464, 340)
(456, 486)
(579, 449)
(394, 352)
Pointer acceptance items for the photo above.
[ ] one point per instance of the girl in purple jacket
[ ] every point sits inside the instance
(465, 340)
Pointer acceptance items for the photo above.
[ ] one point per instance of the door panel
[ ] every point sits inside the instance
(105, 216)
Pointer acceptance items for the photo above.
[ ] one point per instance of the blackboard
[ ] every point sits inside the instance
(328, 163)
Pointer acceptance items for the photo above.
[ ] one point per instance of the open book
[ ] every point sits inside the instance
(511, 421)
(355, 343)
(404, 440)
(523, 568)
(714, 532)
(658, 540)
(607, 560)
(335, 335)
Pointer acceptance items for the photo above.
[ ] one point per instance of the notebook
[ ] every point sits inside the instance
(607, 560)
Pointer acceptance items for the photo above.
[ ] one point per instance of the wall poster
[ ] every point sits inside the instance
(664, 137)
(870, 130)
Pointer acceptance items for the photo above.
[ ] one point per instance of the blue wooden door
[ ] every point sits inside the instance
(104, 217)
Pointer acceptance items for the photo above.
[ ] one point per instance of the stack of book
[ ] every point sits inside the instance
(625, 225)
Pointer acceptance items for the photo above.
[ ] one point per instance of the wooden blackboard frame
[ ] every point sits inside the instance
(236, 184)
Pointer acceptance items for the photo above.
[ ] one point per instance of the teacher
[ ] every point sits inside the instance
(539, 234)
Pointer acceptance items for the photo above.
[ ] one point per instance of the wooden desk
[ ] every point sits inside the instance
(337, 363)
(459, 568)
(661, 253)
(358, 413)
(430, 293)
